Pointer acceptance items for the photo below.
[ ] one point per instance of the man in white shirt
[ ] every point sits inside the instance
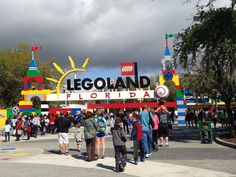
(36, 125)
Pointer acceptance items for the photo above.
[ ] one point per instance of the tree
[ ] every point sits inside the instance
(13, 66)
(207, 50)
(172, 90)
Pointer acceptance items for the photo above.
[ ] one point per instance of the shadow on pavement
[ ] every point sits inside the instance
(182, 134)
(76, 150)
(54, 151)
(79, 157)
(108, 167)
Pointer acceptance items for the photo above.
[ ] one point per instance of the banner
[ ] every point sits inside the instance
(101, 95)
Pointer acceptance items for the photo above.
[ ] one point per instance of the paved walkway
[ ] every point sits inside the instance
(186, 157)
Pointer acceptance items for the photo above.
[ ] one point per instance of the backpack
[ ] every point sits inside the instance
(101, 128)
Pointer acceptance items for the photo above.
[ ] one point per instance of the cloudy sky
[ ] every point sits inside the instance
(107, 31)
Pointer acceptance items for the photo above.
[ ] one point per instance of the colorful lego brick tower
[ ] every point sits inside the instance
(33, 74)
(169, 74)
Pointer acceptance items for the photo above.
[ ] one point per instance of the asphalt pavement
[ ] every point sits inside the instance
(186, 156)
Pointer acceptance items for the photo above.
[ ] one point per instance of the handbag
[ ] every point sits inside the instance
(19, 132)
(151, 122)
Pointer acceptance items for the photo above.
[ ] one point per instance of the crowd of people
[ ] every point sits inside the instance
(194, 116)
(23, 126)
(144, 128)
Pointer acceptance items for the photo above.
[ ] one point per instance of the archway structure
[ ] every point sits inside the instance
(77, 94)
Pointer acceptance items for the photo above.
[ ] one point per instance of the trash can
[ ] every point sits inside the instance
(205, 132)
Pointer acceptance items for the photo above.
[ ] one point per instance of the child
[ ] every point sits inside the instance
(136, 136)
(119, 139)
(78, 135)
(7, 128)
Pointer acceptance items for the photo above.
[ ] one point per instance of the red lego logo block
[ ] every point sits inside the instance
(127, 68)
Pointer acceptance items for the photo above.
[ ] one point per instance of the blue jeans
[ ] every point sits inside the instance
(147, 141)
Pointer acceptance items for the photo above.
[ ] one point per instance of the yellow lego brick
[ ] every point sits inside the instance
(175, 79)
(36, 92)
(23, 103)
(3, 117)
(161, 80)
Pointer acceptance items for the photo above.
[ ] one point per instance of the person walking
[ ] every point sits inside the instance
(214, 117)
(36, 125)
(52, 120)
(62, 124)
(7, 129)
(42, 125)
(144, 117)
(19, 127)
(187, 118)
(155, 130)
(164, 118)
(28, 128)
(90, 135)
(136, 136)
(101, 133)
(124, 119)
(119, 140)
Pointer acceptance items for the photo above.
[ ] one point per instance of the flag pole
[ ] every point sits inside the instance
(32, 54)
(166, 40)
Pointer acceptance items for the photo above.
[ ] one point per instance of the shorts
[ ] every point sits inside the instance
(63, 138)
(101, 135)
(163, 131)
(78, 142)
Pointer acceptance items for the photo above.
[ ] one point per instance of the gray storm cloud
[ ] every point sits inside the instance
(107, 31)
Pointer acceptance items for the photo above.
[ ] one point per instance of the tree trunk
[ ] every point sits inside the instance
(229, 111)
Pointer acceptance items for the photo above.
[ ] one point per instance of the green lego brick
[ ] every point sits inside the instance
(33, 73)
(179, 93)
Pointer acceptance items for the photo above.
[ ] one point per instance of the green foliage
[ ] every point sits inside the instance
(207, 50)
(172, 89)
(13, 66)
(36, 102)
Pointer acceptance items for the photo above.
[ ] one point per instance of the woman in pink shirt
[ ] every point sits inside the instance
(155, 130)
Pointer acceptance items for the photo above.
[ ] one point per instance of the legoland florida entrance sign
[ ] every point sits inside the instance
(85, 85)
(89, 89)
(84, 88)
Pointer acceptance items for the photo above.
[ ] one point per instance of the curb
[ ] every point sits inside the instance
(224, 143)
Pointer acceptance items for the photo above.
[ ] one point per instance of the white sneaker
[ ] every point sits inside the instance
(147, 155)
(150, 154)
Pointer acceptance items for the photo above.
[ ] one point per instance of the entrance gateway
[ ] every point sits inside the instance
(83, 89)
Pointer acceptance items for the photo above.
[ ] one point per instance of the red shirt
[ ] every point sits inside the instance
(52, 119)
(19, 125)
(139, 135)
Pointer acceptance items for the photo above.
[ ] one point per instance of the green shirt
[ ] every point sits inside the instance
(89, 128)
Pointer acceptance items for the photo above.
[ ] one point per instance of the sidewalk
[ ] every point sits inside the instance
(184, 149)
(146, 169)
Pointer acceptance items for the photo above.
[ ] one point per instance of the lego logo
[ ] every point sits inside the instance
(127, 68)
